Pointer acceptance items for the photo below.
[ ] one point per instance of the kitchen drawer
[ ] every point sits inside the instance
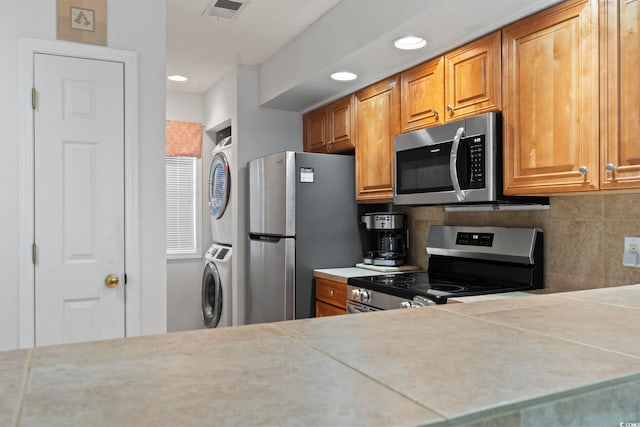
(331, 292)
(323, 309)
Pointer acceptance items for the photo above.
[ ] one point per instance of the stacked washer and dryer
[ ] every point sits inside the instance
(216, 278)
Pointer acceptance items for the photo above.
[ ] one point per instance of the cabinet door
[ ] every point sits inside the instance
(422, 95)
(550, 76)
(377, 121)
(323, 309)
(314, 131)
(339, 125)
(331, 292)
(621, 98)
(472, 78)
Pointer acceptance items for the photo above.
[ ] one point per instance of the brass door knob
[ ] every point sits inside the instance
(111, 281)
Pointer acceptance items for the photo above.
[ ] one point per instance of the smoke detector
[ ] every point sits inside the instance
(227, 10)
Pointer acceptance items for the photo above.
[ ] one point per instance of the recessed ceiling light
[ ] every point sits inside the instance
(177, 78)
(344, 76)
(410, 43)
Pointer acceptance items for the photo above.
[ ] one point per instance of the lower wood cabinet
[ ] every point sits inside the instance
(324, 309)
(331, 297)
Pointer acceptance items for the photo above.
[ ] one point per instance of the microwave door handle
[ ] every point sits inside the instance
(453, 161)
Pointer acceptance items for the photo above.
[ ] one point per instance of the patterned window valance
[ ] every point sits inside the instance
(184, 139)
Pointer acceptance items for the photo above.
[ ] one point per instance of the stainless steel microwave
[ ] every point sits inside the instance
(454, 163)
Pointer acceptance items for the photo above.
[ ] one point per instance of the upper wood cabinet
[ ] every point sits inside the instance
(462, 83)
(422, 95)
(620, 48)
(329, 129)
(314, 131)
(550, 84)
(472, 78)
(377, 110)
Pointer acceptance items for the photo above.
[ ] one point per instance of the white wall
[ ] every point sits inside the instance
(256, 132)
(138, 26)
(184, 276)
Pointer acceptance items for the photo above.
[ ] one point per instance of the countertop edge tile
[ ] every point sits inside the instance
(535, 401)
(341, 275)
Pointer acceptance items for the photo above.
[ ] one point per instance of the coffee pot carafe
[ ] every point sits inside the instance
(388, 240)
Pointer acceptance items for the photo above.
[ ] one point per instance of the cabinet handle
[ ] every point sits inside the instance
(330, 142)
(435, 112)
(610, 168)
(582, 170)
(331, 293)
(449, 108)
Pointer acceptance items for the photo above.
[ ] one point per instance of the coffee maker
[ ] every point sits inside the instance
(387, 239)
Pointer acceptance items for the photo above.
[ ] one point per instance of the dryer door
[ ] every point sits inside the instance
(211, 296)
(219, 185)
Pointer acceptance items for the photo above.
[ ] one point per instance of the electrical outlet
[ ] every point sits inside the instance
(631, 256)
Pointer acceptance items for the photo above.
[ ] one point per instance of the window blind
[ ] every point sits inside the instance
(181, 205)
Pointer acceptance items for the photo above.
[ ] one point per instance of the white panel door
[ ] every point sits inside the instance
(79, 199)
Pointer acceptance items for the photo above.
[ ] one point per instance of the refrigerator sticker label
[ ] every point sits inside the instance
(306, 174)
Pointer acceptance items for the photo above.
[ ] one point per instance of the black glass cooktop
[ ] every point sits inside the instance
(435, 286)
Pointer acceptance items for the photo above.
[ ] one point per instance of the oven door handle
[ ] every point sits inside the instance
(352, 310)
(453, 165)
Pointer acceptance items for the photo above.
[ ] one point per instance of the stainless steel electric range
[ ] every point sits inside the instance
(463, 261)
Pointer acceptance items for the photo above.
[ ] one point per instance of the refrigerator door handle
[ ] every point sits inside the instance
(264, 238)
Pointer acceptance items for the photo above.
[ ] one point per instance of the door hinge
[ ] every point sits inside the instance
(34, 253)
(33, 98)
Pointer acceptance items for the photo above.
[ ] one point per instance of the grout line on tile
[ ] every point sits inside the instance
(601, 302)
(23, 387)
(364, 374)
(519, 328)
(490, 412)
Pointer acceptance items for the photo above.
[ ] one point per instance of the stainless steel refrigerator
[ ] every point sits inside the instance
(302, 216)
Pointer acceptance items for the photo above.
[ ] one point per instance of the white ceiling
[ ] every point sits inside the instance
(205, 49)
(296, 44)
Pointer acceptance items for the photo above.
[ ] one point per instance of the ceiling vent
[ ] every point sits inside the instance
(227, 10)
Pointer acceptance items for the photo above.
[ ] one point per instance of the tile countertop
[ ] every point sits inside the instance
(570, 358)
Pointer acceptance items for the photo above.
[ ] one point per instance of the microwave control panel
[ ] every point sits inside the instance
(476, 161)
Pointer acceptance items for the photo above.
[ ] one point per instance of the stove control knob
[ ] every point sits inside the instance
(355, 294)
(405, 304)
(364, 296)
